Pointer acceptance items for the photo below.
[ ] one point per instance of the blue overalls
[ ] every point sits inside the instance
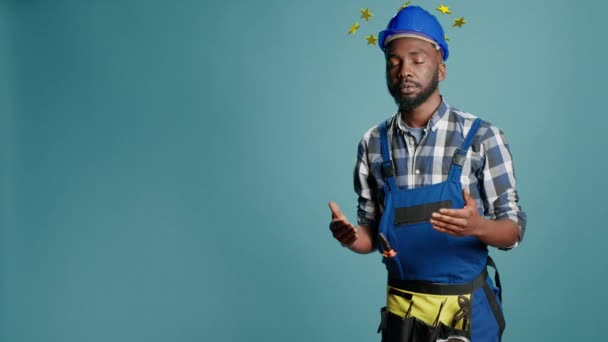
(438, 285)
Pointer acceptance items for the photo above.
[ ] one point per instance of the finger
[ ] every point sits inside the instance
(458, 213)
(337, 223)
(349, 242)
(335, 210)
(449, 220)
(468, 200)
(345, 232)
(339, 228)
(447, 228)
(447, 231)
(344, 239)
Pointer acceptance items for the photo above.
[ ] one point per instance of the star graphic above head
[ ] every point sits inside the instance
(371, 40)
(444, 9)
(353, 28)
(405, 5)
(366, 14)
(459, 22)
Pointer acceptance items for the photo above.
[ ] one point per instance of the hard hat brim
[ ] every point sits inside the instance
(386, 36)
(410, 35)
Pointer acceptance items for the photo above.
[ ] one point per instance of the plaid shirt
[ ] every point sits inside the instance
(488, 172)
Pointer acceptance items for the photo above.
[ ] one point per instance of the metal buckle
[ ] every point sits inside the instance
(387, 169)
(459, 157)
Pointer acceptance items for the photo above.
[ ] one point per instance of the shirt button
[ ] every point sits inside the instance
(417, 172)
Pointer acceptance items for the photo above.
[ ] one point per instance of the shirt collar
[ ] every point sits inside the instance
(439, 114)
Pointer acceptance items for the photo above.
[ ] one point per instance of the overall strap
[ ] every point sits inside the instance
(388, 171)
(492, 264)
(491, 297)
(461, 153)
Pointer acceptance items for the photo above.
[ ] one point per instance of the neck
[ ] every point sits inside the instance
(420, 116)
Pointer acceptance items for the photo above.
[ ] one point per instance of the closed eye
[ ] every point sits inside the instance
(392, 62)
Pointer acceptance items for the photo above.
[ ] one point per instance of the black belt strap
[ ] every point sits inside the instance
(439, 289)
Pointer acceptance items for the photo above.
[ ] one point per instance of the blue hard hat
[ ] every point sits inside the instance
(416, 21)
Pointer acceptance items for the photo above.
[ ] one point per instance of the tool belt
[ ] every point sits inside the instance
(420, 311)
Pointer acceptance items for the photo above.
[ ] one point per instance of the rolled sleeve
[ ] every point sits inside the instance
(499, 193)
(364, 183)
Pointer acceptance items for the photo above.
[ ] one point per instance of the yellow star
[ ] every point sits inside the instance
(444, 9)
(353, 28)
(405, 5)
(459, 22)
(371, 40)
(446, 38)
(366, 14)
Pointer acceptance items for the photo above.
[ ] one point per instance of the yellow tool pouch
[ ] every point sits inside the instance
(453, 311)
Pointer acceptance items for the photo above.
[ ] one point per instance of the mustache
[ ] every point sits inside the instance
(405, 82)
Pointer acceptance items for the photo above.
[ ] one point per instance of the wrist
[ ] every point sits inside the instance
(481, 228)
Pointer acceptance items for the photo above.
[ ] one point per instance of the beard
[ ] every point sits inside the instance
(408, 103)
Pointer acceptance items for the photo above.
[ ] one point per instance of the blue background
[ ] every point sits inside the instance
(166, 165)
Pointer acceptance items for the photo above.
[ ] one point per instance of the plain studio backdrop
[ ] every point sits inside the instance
(165, 166)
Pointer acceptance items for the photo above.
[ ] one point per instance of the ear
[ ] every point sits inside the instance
(442, 70)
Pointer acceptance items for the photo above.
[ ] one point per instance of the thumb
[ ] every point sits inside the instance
(335, 210)
(468, 200)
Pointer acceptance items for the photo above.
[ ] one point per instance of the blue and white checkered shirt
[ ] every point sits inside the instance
(488, 172)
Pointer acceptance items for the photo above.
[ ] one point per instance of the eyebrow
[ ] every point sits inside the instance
(415, 52)
(418, 52)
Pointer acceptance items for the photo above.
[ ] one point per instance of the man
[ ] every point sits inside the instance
(436, 186)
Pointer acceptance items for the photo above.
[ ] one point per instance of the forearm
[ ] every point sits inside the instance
(500, 233)
(365, 242)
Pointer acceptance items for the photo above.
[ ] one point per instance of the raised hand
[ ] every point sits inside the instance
(341, 229)
(459, 222)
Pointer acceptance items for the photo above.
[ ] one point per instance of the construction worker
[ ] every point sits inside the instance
(435, 187)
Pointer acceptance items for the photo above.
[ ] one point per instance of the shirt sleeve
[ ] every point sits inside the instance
(364, 182)
(498, 192)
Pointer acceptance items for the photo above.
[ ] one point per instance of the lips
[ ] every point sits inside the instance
(407, 85)
(407, 88)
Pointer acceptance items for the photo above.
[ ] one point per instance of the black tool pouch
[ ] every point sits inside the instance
(411, 329)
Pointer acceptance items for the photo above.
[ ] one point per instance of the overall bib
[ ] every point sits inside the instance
(438, 285)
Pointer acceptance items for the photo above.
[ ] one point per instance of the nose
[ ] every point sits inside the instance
(404, 71)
